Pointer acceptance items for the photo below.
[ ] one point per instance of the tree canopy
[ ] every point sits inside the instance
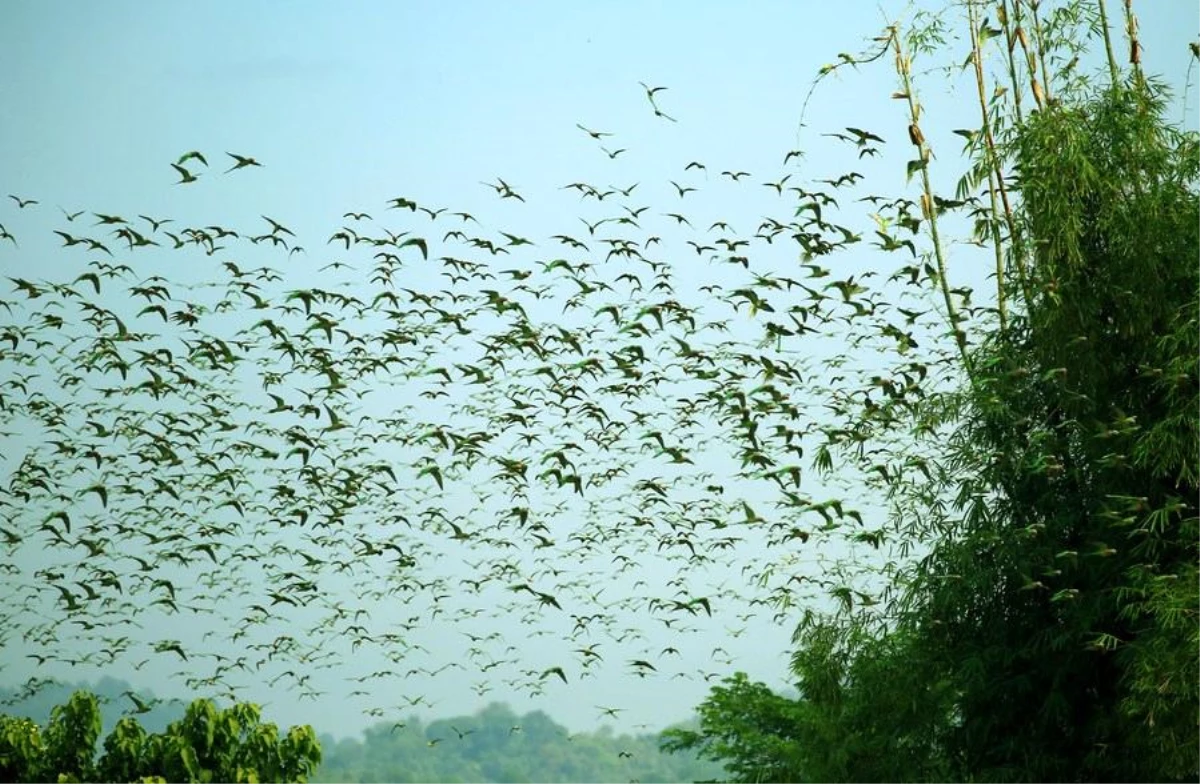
(207, 744)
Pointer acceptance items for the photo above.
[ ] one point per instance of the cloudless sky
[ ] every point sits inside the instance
(350, 104)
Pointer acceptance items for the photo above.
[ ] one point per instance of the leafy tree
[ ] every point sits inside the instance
(747, 727)
(207, 744)
(864, 713)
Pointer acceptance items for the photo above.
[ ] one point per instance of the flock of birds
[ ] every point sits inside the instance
(249, 473)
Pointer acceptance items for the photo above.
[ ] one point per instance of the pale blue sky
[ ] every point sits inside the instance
(348, 105)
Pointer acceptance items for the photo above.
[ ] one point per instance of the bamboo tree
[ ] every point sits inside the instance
(1053, 630)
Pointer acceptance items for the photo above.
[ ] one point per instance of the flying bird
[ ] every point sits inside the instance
(240, 162)
(187, 156)
(554, 671)
(22, 203)
(276, 226)
(515, 240)
(862, 137)
(185, 176)
(504, 189)
(650, 91)
(140, 705)
(154, 224)
(594, 134)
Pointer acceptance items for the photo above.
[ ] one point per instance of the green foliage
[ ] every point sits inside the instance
(750, 729)
(1058, 609)
(1052, 631)
(866, 712)
(497, 744)
(208, 744)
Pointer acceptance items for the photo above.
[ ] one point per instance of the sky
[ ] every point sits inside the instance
(350, 105)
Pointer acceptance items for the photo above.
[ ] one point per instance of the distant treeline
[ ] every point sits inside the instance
(493, 745)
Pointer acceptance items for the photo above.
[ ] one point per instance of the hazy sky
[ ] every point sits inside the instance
(349, 105)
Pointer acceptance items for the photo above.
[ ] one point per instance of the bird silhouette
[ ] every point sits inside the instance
(554, 671)
(185, 176)
(193, 155)
(504, 190)
(139, 705)
(154, 224)
(650, 92)
(594, 134)
(276, 226)
(240, 162)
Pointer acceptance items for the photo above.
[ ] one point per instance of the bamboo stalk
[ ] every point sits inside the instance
(1114, 74)
(993, 164)
(1135, 47)
(1010, 40)
(904, 68)
(1041, 91)
(977, 57)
